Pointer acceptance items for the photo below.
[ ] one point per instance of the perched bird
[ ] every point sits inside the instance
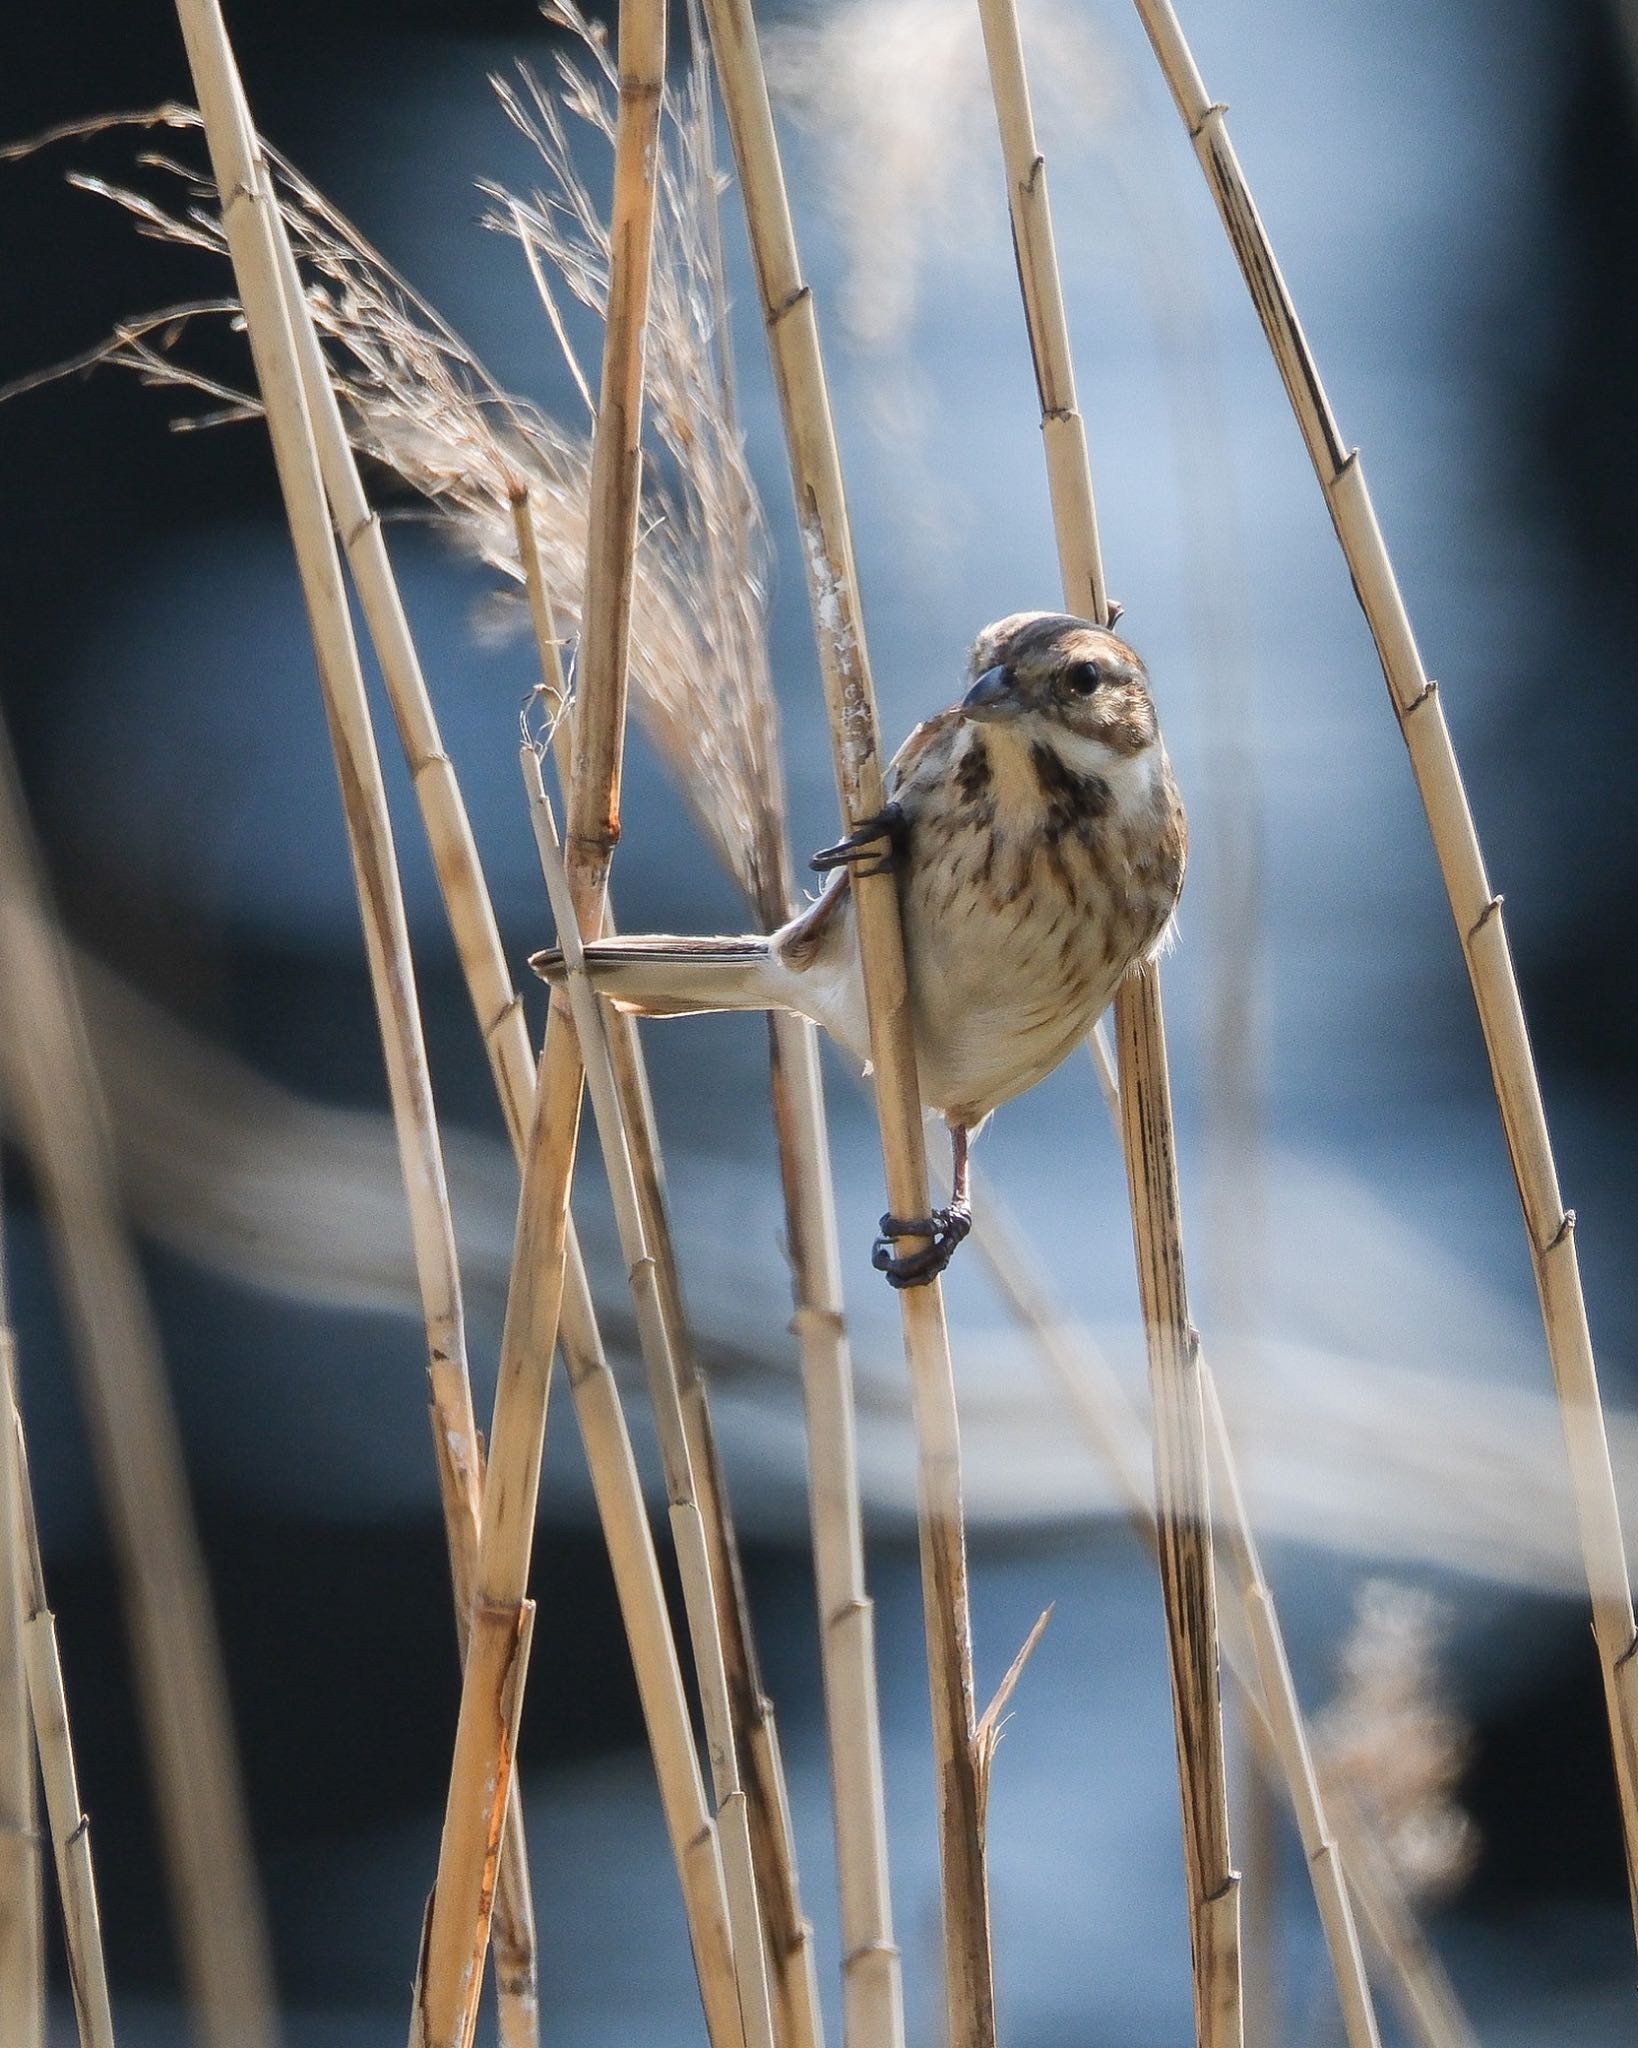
(1038, 841)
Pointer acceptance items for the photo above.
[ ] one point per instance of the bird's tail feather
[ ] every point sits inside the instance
(664, 976)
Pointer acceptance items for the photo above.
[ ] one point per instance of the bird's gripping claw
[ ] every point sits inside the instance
(889, 824)
(945, 1228)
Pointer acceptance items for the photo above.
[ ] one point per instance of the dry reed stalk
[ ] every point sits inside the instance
(458, 1918)
(22, 1901)
(1183, 1508)
(294, 391)
(608, 1107)
(872, 1992)
(743, 1739)
(1290, 1736)
(693, 398)
(47, 1072)
(47, 1703)
(1255, 1656)
(1181, 1483)
(454, 1423)
(1477, 910)
(793, 336)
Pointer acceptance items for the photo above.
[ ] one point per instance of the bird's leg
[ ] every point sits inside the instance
(944, 1229)
(888, 824)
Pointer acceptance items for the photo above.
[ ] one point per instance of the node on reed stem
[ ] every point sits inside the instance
(1181, 1485)
(1477, 910)
(792, 328)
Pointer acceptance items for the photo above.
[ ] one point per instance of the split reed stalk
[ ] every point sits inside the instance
(1255, 1656)
(46, 1701)
(793, 337)
(744, 1747)
(1181, 1483)
(458, 1919)
(22, 1892)
(1477, 910)
(47, 1072)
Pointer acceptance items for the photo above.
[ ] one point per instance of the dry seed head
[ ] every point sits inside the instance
(420, 403)
(1393, 1742)
(896, 94)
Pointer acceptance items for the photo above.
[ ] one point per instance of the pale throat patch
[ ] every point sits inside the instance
(1132, 778)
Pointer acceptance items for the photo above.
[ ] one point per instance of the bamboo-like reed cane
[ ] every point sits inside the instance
(793, 337)
(501, 1018)
(1256, 1657)
(872, 1991)
(47, 1703)
(392, 976)
(1477, 910)
(47, 1072)
(1181, 1482)
(22, 1900)
(745, 1744)
(458, 1920)
(733, 1823)
(274, 317)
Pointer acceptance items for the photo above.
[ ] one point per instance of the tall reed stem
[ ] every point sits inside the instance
(458, 1922)
(297, 394)
(1345, 1862)
(1549, 1226)
(793, 337)
(742, 1737)
(47, 1072)
(872, 1993)
(1181, 1484)
(22, 1901)
(46, 1704)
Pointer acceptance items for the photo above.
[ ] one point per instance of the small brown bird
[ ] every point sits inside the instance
(1038, 840)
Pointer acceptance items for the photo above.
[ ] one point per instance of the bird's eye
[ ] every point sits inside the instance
(1082, 677)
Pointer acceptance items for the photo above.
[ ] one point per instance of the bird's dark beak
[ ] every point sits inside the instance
(992, 697)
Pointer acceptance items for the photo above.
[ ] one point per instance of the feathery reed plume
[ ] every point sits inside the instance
(50, 1085)
(1393, 1742)
(888, 91)
(793, 339)
(1549, 1226)
(22, 1902)
(420, 403)
(1182, 1490)
(45, 1704)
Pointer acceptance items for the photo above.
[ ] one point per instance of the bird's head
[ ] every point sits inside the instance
(1046, 676)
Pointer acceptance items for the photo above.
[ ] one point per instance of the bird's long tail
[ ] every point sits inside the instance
(664, 976)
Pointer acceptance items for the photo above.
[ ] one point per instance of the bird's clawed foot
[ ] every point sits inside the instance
(888, 824)
(945, 1227)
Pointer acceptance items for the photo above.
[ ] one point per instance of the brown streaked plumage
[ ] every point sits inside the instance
(1039, 843)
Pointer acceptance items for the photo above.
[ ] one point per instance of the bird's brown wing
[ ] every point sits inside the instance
(924, 755)
(922, 758)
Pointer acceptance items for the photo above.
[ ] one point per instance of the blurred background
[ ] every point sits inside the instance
(1451, 190)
